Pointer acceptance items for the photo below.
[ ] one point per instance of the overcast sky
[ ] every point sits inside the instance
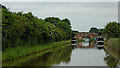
(82, 15)
(60, 0)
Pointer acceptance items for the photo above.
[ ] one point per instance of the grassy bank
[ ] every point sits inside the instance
(14, 53)
(113, 47)
(112, 43)
(36, 57)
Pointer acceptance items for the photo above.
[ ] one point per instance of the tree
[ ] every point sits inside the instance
(93, 30)
(111, 30)
(67, 21)
(65, 27)
(119, 30)
(53, 20)
(20, 28)
(100, 31)
(74, 32)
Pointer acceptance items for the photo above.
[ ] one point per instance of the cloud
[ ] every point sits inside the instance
(60, 0)
(82, 15)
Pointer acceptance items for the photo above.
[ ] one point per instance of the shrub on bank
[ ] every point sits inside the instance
(25, 29)
(113, 43)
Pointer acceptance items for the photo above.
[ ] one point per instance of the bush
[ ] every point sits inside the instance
(25, 29)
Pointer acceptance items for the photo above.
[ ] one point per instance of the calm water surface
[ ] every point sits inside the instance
(84, 54)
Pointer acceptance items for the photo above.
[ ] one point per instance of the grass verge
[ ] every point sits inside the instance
(113, 47)
(112, 43)
(14, 53)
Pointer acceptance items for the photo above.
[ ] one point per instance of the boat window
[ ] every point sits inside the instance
(100, 39)
(100, 43)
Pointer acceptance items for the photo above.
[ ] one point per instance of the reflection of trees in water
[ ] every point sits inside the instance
(110, 60)
(91, 44)
(73, 47)
(50, 58)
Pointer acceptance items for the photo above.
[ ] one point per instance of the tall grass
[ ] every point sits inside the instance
(21, 51)
(113, 43)
(112, 47)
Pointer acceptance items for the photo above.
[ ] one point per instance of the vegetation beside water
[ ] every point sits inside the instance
(113, 42)
(113, 47)
(14, 53)
(24, 33)
(74, 32)
(46, 58)
(112, 35)
(25, 29)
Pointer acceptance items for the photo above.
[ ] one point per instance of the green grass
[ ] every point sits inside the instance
(105, 43)
(18, 62)
(14, 53)
(113, 43)
(113, 46)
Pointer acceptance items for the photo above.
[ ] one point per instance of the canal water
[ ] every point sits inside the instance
(84, 54)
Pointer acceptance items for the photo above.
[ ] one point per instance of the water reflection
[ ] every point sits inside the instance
(110, 60)
(100, 48)
(48, 59)
(69, 56)
(85, 44)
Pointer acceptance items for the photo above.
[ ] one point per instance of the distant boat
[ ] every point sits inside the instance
(86, 39)
(74, 41)
(100, 42)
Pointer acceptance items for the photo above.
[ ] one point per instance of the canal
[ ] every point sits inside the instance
(84, 54)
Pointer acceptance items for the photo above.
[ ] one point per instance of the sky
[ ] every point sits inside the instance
(83, 15)
(59, 0)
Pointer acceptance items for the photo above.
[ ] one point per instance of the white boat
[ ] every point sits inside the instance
(100, 42)
(86, 39)
(74, 41)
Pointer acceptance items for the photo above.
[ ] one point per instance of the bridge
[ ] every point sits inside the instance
(88, 35)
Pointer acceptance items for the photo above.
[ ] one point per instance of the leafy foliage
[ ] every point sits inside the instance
(65, 27)
(67, 21)
(93, 30)
(21, 29)
(111, 30)
(74, 33)
(111, 61)
(100, 31)
(52, 20)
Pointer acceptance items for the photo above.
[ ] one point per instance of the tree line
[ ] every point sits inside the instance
(111, 30)
(21, 29)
